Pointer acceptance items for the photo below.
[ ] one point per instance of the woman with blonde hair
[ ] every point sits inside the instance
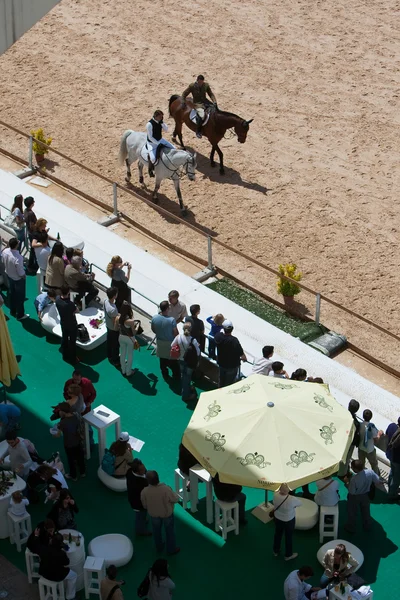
(338, 565)
(184, 341)
(119, 279)
(284, 514)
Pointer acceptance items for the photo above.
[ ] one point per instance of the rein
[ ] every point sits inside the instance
(179, 170)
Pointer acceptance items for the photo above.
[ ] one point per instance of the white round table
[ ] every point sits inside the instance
(76, 555)
(19, 485)
(351, 549)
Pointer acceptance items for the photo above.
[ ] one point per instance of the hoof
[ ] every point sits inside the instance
(141, 179)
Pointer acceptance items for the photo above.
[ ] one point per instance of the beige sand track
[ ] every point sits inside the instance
(320, 78)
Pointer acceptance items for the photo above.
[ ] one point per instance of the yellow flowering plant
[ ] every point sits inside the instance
(38, 134)
(287, 288)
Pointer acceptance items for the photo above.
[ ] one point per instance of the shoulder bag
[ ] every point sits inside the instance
(272, 512)
(112, 591)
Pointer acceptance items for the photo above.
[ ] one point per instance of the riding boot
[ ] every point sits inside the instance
(199, 126)
(151, 168)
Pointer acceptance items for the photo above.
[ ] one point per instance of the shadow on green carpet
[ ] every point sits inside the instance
(207, 567)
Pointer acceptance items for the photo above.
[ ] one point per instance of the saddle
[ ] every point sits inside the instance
(144, 153)
(193, 115)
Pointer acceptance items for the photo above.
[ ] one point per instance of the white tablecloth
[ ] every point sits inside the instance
(76, 555)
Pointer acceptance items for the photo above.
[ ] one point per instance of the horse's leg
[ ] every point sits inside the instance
(140, 167)
(178, 132)
(212, 161)
(179, 194)
(221, 160)
(128, 171)
(156, 188)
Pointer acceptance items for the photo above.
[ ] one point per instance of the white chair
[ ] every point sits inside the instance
(196, 474)
(181, 482)
(306, 514)
(226, 517)
(93, 572)
(51, 590)
(351, 549)
(32, 565)
(328, 529)
(115, 548)
(116, 484)
(20, 529)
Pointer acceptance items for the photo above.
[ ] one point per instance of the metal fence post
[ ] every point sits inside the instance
(317, 308)
(115, 198)
(30, 155)
(209, 245)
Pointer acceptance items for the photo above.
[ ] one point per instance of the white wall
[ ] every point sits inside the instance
(17, 16)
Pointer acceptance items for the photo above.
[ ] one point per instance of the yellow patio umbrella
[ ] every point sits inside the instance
(8, 363)
(264, 431)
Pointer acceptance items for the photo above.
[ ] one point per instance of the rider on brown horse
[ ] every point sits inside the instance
(199, 90)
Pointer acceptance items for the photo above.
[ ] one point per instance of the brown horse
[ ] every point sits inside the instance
(215, 128)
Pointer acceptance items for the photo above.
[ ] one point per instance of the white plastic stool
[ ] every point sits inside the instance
(32, 565)
(93, 572)
(73, 295)
(51, 590)
(328, 529)
(181, 481)
(229, 521)
(20, 529)
(196, 474)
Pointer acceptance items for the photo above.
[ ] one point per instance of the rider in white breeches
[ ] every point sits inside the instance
(154, 129)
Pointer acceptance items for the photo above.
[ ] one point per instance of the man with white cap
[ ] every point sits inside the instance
(229, 355)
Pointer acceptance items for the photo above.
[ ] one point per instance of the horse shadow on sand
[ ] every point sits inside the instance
(231, 176)
(168, 203)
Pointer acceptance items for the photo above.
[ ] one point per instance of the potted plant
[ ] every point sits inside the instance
(288, 289)
(39, 149)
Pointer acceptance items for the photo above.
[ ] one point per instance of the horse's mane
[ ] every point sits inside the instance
(229, 114)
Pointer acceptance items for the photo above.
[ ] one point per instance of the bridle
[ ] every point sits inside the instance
(181, 171)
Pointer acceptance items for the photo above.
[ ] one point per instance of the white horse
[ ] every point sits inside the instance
(172, 163)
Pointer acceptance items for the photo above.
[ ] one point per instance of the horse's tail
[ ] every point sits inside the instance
(123, 151)
(171, 100)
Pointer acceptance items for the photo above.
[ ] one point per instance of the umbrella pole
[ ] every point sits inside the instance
(262, 511)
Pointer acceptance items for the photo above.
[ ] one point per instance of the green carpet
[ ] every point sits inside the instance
(241, 568)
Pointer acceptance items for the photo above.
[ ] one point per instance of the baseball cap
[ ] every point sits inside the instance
(124, 437)
(227, 324)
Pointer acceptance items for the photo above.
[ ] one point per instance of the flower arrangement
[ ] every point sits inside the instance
(96, 323)
(38, 148)
(287, 288)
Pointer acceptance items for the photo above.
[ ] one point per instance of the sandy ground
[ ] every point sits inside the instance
(316, 180)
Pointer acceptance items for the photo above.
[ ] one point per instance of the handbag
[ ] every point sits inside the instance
(83, 334)
(138, 327)
(111, 594)
(175, 352)
(272, 512)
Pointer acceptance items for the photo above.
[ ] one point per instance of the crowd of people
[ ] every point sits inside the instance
(179, 353)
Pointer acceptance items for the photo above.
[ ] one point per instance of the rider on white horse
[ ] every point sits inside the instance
(155, 141)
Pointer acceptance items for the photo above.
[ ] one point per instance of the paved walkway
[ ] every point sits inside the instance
(15, 582)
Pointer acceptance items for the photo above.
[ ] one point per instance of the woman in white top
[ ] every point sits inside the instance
(184, 341)
(161, 584)
(17, 212)
(285, 519)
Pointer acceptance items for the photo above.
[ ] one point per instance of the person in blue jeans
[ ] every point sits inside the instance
(159, 500)
(184, 341)
(216, 327)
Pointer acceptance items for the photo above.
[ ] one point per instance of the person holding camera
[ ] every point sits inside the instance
(119, 279)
